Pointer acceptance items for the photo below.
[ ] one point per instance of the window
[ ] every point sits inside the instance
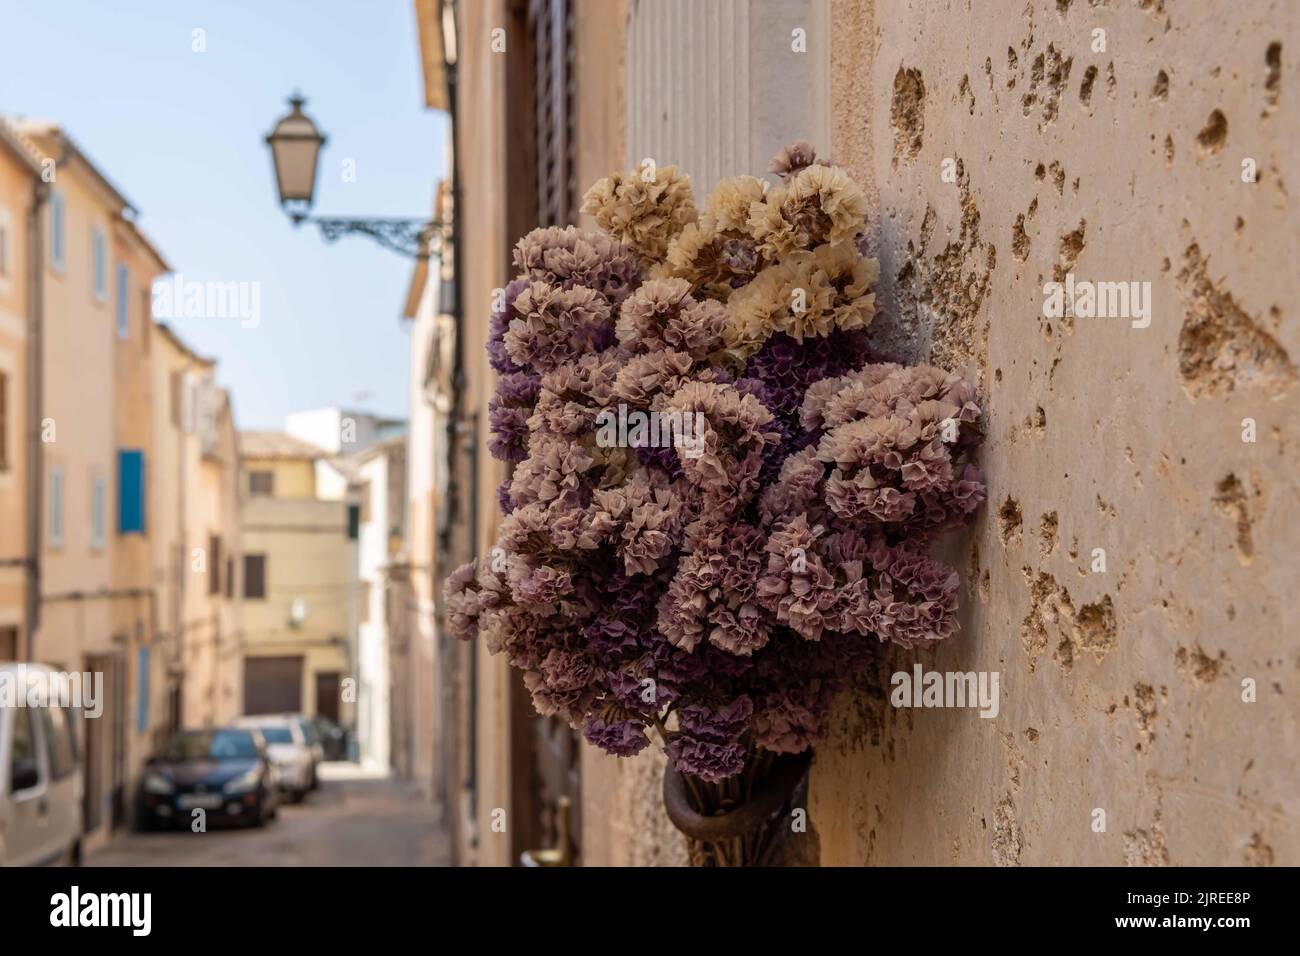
(178, 389)
(59, 743)
(354, 522)
(4, 250)
(57, 238)
(189, 405)
(130, 492)
(230, 577)
(97, 494)
(99, 264)
(214, 564)
(255, 576)
(56, 507)
(261, 483)
(142, 684)
(8, 643)
(123, 311)
(4, 422)
(146, 323)
(24, 763)
(554, 77)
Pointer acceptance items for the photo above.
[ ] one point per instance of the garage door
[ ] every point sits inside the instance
(272, 685)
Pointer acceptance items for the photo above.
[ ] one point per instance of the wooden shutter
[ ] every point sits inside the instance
(214, 564)
(255, 576)
(552, 22)
(8, 643)
(130, 492)
(4, 422)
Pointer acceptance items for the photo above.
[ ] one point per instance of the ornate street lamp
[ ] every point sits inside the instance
(295, 146)
(295, 150)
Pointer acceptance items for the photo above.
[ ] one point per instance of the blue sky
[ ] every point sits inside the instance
(181, 134)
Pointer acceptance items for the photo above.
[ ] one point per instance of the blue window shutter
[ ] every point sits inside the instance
(130, 485)
(142, 704)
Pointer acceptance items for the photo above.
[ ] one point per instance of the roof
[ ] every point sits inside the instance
(420, 275)
(133, 229)
(21, 147)
(349, 469)
(264, 445)
(381, 448)
(47, 136)
(179, 343)
(428, 22)
(27, 137)
(415, 289)
(349, 465)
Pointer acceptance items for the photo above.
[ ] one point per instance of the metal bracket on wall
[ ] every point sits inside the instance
(409, 237)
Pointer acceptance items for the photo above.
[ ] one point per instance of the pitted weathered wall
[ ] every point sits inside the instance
(1005, 150)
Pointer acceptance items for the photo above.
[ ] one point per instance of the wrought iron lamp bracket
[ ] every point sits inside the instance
(414, 238)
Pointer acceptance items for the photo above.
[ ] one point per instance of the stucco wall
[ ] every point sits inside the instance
(1121, 690)
(16, 183)
(307, 556)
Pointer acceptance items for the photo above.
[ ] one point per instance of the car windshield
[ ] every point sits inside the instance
(212, 745)
(277, 735)
(308, 731)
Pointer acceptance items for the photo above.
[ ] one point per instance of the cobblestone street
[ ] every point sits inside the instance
(354, 819)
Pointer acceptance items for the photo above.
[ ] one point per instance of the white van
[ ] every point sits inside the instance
(40, 771)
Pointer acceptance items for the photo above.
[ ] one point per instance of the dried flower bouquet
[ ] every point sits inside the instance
(715, 579)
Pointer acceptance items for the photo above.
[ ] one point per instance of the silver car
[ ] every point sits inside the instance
(289, 749)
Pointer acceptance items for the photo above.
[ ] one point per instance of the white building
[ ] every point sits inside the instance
(366, 468)
(423, 694)
(380, 490)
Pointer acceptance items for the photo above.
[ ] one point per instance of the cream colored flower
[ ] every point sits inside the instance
(821, 205)
(727, 207)
(645, 215)
(806, 294)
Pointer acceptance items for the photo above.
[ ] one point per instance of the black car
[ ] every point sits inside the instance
(225, 773)
(333, 738)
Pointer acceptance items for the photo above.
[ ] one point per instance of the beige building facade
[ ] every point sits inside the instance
(197, 552)
(135, 264)
(299, 587)
(432, 331)
(21, 192)
(79, 481)
(113, 435)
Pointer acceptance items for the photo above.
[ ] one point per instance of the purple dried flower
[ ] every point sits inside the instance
(622, 738)
(719, 724)
(705, 759)
(741, 580)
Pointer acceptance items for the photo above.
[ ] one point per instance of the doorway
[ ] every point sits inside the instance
(327, 694)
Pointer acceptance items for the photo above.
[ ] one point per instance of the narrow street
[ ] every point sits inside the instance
(354, 819)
